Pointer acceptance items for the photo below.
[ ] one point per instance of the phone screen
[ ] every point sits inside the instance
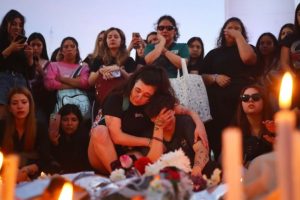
(21, 38)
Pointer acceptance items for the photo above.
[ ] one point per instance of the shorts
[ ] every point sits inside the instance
(8, 80)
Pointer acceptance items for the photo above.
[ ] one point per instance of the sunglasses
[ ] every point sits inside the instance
(168, 28)
(254, 97)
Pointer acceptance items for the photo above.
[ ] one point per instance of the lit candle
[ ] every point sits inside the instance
(1, 162)
(9, 176)
(66, 192)
(285, 124)
(232, 162)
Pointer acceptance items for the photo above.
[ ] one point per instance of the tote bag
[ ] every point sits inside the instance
(74, 96)
(191, 92)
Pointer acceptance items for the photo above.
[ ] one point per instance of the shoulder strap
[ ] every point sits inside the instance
(78, 71)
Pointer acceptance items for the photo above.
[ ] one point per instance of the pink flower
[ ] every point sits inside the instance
(126, 161)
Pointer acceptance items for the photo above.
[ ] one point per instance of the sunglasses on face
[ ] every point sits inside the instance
(168, 28)
(254, 97)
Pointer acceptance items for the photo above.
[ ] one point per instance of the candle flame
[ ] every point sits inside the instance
(66, 192)
(286, 88)
(1, 159)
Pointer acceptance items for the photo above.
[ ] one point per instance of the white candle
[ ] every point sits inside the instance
(232, 162)
(296, 164)
(9, 177)
(66, 192)
(285, 124)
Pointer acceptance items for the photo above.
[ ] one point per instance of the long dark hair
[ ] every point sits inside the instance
(41, 38)
(221, 42)
(288, 25)
(193, 39)
(241, 119)
(150, 75)
(77, 59)
(297, 24)
(8, 18)
(173, 22)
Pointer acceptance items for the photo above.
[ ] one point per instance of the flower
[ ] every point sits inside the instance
(215, 178)
(117, 175)
(141, 163)
(126, 161)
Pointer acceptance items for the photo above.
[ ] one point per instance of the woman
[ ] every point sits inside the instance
(196, 49)
(178, 132)
(21, 134)
(44, 99)
(167, 53)
(16, 57)
(60, 74)
(128, 128)
(252, 114)
(285, 30)
(290, 56)
(69, 146)
(114, 63)
(268, 51)
(226, 70)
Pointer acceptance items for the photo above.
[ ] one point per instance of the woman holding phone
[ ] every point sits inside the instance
(16, 57)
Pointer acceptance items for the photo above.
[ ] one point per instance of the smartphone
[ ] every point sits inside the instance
(136, 34)
(116, 73)
(21, 38)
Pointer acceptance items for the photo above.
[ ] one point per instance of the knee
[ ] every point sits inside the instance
(100, 134)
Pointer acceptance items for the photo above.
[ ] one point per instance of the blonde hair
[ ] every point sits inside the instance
(30, 123)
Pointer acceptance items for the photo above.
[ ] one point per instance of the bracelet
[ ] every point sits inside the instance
(158, 139)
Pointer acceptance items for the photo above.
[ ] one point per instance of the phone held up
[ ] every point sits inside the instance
(136, 35)
(21, 39)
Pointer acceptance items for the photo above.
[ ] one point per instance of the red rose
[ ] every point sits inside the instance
(141, 163)
(171, 173)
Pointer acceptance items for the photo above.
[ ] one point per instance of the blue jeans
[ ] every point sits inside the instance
(9, 80)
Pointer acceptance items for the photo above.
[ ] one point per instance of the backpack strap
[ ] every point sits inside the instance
(125, 103)
(77, 71)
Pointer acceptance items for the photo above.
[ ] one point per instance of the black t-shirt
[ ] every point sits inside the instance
(183, 136)
(134, 121)
(129, 65)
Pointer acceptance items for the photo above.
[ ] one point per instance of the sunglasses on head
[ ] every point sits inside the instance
(168, 28)
(254, 97)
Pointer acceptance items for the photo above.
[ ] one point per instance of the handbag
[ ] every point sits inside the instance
(74, 96)
(103, 87)
(191, 92)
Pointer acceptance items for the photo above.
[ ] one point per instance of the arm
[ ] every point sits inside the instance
(157, 51)
(285, 60)
(119, 137)
(200, 129)
(93, 77)
(246, 52)
(173, 58)
(50, 81)
(79, 82)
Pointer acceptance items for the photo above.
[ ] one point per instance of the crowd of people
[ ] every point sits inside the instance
(71, 113)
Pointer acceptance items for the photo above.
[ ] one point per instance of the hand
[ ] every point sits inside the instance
(270, 125)
(161, 40)
(223, 80)
(200, 133)
(16, 46)
(106, 71)
(28, 51)
(164, 118)
(134, 42)
(232, 33)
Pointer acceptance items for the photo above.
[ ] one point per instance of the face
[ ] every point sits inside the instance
(141, 93)
(235, 26)
(19, 106)
(285, 31)
(251, 106)
(152, 39)
(69, 123)
(100, 39)
(69, 50)
(166, 29)
(113, 40)
(266, 45)
(195, 49)
(140, 51)
(37, 47)
(298, 17)
(15, 28)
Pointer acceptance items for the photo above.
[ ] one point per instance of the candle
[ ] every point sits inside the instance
(1, 162)
(232, 162)
(9, 176)
(296, 164)
(285, 124)
(66, 192)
